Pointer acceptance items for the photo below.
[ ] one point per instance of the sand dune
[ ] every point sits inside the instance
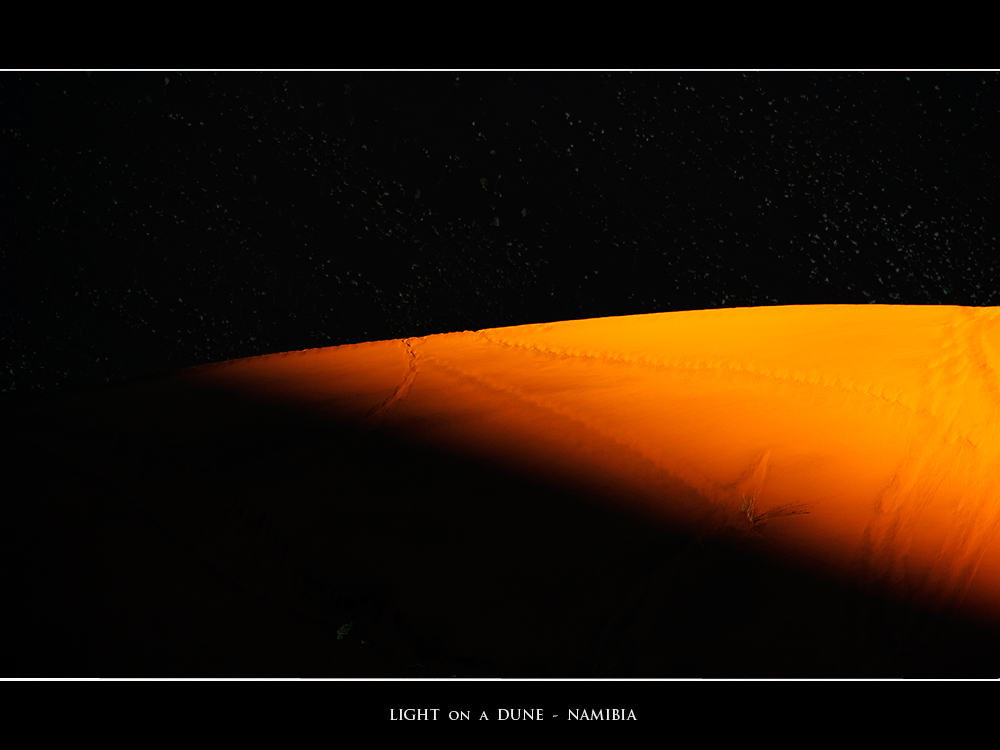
(799, 491)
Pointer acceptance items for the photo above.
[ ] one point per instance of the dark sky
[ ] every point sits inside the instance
(157, 220)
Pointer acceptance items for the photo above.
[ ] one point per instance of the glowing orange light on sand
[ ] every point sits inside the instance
(865, 436)
(774, 491)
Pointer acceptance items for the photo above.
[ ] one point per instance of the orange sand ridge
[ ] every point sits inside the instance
(654, 495)
(866, 437)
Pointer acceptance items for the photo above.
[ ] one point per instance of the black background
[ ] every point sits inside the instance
(156, 220)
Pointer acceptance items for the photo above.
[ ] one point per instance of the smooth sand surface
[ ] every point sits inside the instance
(806, 491)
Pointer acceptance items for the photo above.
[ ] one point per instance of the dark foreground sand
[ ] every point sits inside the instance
(511, 503)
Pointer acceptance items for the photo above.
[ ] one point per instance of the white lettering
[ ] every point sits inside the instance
(602, 714)
(518, 714)
(413, 714)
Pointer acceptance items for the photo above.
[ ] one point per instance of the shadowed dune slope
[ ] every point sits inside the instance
(783, 491)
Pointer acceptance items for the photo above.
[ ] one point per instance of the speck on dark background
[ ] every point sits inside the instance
(157, 220)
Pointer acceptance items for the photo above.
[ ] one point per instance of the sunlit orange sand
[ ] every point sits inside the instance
(807, 490)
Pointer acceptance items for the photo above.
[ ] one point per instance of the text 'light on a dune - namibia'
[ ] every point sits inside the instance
(861, 439)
